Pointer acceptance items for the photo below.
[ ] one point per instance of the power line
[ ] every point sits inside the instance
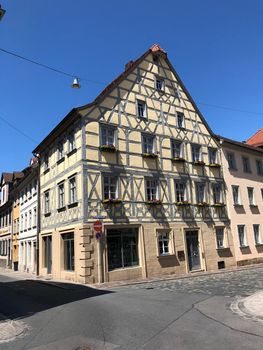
(18, 130)
(48, 67)
(231, 109)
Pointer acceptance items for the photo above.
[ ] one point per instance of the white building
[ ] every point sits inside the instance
(28, 194)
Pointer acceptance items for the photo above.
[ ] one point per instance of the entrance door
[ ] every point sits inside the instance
(48, 253)
(193, 250)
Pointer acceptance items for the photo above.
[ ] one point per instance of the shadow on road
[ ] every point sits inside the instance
(23, 298)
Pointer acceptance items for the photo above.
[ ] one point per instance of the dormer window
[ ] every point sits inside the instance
(159, 83)
(141, 109)
(180, 120)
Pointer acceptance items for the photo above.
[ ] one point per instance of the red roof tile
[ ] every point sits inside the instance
(256, 139)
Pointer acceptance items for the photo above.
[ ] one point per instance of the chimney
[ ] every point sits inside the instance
(127, 65)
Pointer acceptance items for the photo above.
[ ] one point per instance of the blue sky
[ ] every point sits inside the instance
(215, 46)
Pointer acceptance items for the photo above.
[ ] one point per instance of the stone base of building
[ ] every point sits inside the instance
(132, 251)
(253, 261)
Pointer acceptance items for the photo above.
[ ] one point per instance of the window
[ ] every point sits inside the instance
(196, 153)
(22, 223)
(257, 234)
(122, 247)
(177, 149)
(46, 161)
(216, 190)
(241, 235)
(259, 166)
(220, 237)
(200, 192)
(72, 190)
(159, 83)
(262, 193)
(141, 109)
(231, 161)
(25, 227)
(148, 144)
(151, 190)
(212, 154)
(110, 187)
(180, 120)
(69, 258)
(250, 192)
(46, 202)
(107, 136)
(236, 196)
(71, 141)
(180, 191)
(61, 195)
(30, 219)
(246, 165)
(25, 195)
(163, 243)
(60, 150)
(34, 217)
(29, 195)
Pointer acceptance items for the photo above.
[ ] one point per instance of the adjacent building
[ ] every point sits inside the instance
(27, 195)
(243, 173)
(142, 159)
(256, 139)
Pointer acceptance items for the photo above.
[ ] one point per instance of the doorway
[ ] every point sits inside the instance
(48, 253)
(193, 250)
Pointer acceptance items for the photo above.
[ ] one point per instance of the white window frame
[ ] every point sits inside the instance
(200, 192)
(217, 193)
(73, 194)
(147, 141)
(47, 202)
(180, 120)
(251, 196)
(220, 237)
(163, 242)
(61, 195)
(177, 148)
(71, 141)
(180, 191)
(110, 182)
(60, 150)
(257, 234)
(152, 188)
(239, 227)
(159, 83)
(213, 155)
(196, 151)
(141, 109)
(46, 161)
(236, 200)
(246, 164)
(231, 160)
(107, 136)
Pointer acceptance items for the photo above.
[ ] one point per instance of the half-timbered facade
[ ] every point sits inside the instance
(146, 163)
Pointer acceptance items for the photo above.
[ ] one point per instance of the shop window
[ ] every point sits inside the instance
(69, 258)
(122, 246)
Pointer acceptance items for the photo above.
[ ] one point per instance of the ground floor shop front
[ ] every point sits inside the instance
(28, 255)
(134, 251)
(5, 251)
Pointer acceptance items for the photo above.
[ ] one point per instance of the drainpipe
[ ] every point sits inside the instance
(38, 214)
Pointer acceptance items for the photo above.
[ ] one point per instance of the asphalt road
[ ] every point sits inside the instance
(193, 313)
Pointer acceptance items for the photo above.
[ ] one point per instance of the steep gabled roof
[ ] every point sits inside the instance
(256, 139)
(74, 113)
(6, 177)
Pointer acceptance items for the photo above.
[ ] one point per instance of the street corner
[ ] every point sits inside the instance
(12, 329)
(250, 307)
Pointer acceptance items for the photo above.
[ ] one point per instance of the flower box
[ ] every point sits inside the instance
(214, 165)
(150, 155)
(108, 148)
(112, 201)
(182, 203)
(178, 160)
(202, 204)
(199, 162)
(154, 202)
(219, 205)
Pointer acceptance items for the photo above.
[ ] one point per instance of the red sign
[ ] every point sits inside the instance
(97, 226)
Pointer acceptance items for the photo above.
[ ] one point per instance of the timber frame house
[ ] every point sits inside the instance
(142, 158)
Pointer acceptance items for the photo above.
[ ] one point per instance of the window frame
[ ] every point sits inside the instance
(180, 125)
(251, 196)
(150, 188)
(110, 177)
(195, 147)
(210, 157)
(239, 201)
(259, 166)
(60, 150)
(180, 193)
(165, 237)
(246, 165)
(244, 245)
(68, 238)
(71, 141)
(72, 200)
(107, 129)
(223, 236)
(175, 142)
(232, 165)
(145, 143)
(61, 195)
(140, 103)
(197, 192)
(258, 241)
(214, 193)
(47, 202)
(162, 81)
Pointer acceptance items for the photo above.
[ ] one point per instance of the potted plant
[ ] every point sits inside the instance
(182, 203)
(150, 155)
(214, 165)
(178, 159)
(202, 204)
(199, 162)
(154, 202)
(111, 201)
(108, 148)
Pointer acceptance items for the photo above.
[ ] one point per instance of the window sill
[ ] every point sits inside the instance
(47, 214)
(222, 248)
(253, 205)
(110, 148)
(61, 209)
(71, 152)
(178, 160)
(168, 255)
(150, 155)
(112, 201)
(68, 271)
(60, 160)
(199, 163)
(244, 246)
(72, 205)
(46, 171)
(154, 202)
(259, 245)
(238, 205)
(214, 165)
(181, 127)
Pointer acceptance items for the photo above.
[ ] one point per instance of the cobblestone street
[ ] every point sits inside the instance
(230, 284)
